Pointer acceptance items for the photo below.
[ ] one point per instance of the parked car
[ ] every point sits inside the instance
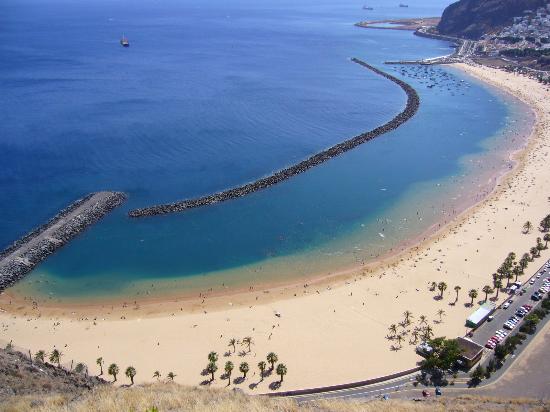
(507, 304)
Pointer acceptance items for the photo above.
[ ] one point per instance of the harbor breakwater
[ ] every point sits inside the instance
(411, 107)
(23, 255)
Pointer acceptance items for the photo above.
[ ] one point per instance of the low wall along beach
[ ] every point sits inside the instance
(413, 102)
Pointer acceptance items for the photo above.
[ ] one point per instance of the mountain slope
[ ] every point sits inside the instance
(473, 18)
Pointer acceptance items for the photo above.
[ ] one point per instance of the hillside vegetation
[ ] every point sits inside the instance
(173, 397)
(474, 18)
(41, 387)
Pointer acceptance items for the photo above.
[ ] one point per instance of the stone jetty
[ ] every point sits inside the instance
(413, 102)
(23, 255)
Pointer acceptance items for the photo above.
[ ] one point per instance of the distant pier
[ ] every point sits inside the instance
(413, 102)
(23, 255)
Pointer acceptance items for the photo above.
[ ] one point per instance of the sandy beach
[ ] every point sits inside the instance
(329, 332)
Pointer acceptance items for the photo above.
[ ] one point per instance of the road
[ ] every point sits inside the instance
(487, 330)
(403, 387)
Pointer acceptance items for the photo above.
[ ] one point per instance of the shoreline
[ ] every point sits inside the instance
(191, 300)
(341, 323)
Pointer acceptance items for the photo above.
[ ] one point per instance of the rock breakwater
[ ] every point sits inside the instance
(23, 255)
(413, 102)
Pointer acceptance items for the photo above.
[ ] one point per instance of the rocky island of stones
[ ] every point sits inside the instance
(413, 102)
(23, 255)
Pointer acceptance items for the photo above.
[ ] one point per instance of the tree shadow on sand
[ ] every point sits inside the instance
(206, 382)
(238, 381)
(275, 385)
(253, 385)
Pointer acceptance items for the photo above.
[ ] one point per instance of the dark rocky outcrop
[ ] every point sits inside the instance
(472, 19)
(413, 101)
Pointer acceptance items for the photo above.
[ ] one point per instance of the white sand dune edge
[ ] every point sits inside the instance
(336, 335)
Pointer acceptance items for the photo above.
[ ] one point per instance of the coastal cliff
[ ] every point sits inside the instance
(472, 19)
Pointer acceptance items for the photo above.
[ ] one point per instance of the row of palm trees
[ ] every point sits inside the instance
(247, 342)
(244, 368)
(55, 356)
(544, 225)
(512, 269)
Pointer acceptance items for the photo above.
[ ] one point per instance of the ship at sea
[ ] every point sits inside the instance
(403, 5)
(124, 42)
(367, 8)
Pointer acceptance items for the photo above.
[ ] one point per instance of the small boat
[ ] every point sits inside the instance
(124, 42)
(403, 5)
(367, 8)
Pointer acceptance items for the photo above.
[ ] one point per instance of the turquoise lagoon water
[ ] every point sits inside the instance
(212, 94)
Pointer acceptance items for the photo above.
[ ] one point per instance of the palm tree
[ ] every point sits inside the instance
(130, 373)
(539, 246)
(428, 332)
(39, 356)
(228, 370)
(247, 342)
(534, 252)
(546, 240)
(211, 368)
(261, 366)
(517, 271)
(472, 294)
(171, 376)
(408, 316)
(423, 319)
(509, 277)
(212, 357)
(487, 289)
(433, 286)
(523, 262)
(156, 375)
(281, 370)
(527, 226)
(244, 368)
(440, 313)
(393, 329)
(113, 370)
(272, 358)
(80, 367)
(414, 338)
(545, 224)
(55, 357)
(99, 361)
(399, 339)
(498, 285)
(457, 289)
(233, 342)
(442, 286)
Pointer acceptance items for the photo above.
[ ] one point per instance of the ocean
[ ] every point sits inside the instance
(213, 94)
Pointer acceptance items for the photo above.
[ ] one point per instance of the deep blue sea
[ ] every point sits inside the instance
(209, 95)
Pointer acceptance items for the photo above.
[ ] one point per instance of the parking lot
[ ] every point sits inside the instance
(500, 316)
